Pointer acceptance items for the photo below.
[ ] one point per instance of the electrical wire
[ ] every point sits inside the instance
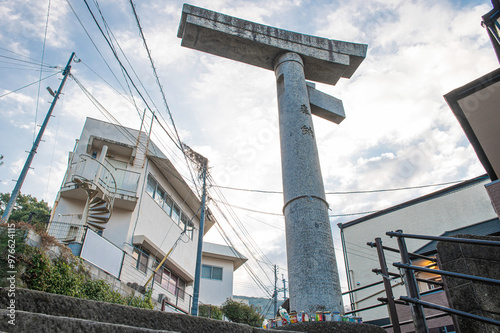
(40, 77)
(346, 192)
(161, 90)
(93, 43)
(13, 91)
(29, 62)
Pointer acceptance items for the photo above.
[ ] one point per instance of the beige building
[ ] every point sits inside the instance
(464, 207)
(122, 206)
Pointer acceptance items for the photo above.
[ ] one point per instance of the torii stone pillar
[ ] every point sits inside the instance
(312, 269)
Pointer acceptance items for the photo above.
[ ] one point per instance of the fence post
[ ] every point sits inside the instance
(417, 311)
(393, 314)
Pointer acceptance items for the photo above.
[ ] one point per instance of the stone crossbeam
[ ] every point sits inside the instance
(324, 105)
(326, 60)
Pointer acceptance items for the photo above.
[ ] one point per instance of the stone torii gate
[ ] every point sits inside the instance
(312, 270)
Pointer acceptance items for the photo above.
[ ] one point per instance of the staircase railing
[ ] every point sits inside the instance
(413, 298)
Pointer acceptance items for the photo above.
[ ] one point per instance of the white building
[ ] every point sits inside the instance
(122, 206)
(218, 264)
(464, 207)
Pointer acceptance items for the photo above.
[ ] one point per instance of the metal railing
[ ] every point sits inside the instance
(112, 180)
(413, 298)
(69, 234)
(165, 293)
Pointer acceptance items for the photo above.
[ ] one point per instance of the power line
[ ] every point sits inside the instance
(345, 192)
(161, 88)
(13, 91)
(277, 214)
(93, 43)
(41, 66)
(28, 62)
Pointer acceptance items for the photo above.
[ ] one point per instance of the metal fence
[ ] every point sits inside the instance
(112, 180)
(413, 299)
(167, 289)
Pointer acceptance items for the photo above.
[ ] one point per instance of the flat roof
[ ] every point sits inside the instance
(224, 252)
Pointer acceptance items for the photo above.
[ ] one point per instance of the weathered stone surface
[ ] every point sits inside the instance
(64, 306)
(312, 270)
(256, 44)
(324, 105)
(327, 327)
(42, 323)
(468, 296)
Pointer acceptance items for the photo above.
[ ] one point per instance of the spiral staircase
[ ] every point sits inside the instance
(100, 191)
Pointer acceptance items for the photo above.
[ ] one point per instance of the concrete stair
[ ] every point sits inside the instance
(37, 311)
(42, 323)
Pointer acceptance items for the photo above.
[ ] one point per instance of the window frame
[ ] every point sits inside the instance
(211, 267)
(139, 254)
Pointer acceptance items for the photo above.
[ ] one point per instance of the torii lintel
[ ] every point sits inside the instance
(326, 60)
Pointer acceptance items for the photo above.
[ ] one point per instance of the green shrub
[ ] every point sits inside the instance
(210, 311)
(242, 313)
(64, 275)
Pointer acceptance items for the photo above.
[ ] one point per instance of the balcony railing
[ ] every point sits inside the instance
(112, 180)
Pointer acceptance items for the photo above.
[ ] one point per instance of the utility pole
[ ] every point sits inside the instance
(197, 274)
(27, 164)
(284, 287)
(275, 289)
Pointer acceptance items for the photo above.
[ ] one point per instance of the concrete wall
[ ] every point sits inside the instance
(454, 210)
(474, 297)
(216, 292)
(493, 189)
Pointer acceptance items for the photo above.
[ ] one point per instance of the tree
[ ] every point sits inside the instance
(210, 311)
(242, 313)
(25, 206)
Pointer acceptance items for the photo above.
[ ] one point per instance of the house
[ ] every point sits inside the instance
(123, 206)
(218, 264)
(476, 107)
(464, 207)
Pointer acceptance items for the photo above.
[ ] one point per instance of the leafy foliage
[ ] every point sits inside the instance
(64, 275)
(210, 311)
(242, 313)
(26, 205)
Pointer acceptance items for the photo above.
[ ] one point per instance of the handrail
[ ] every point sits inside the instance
(449, 310)
(453, 274)
(102, 164)
(413, 299)
(416, 255)
(444, 239)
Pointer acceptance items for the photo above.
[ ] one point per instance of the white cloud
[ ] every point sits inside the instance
(398, 132)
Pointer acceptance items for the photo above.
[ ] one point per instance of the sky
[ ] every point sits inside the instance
(398, 132)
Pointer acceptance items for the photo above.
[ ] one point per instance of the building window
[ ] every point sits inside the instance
(167, 206)
(211, 272)
(184, 221)
(158, 274)
(160, 196)
(151, 187)
(176, 214)
(181, 288)
(141, 257)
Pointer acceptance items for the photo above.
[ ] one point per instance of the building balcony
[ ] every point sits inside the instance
(121, 184)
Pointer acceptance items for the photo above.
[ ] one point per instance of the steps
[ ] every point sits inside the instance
(42, 323)
(100, 208)
(99, 212)
(43, 312)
